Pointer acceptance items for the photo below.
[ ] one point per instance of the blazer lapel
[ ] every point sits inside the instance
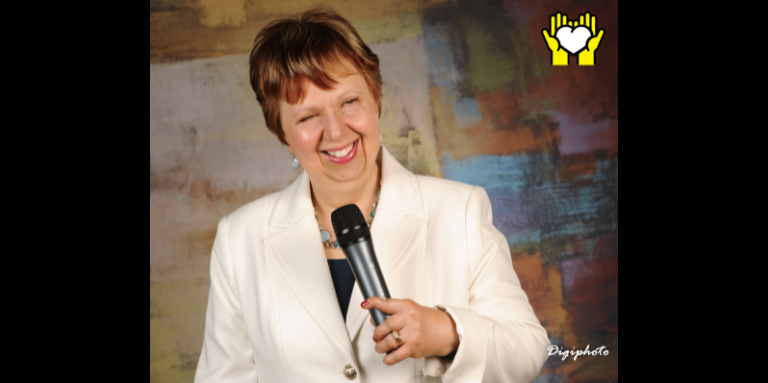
(398, 239)
(299, 258)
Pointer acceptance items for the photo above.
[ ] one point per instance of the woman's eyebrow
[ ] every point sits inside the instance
(346, 94)
(302, 111)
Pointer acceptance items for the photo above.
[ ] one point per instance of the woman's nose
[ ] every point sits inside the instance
(335, 128)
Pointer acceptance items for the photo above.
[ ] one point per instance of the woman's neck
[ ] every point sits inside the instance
(327, 199)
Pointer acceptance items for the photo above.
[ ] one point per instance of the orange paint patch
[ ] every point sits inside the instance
(544, 287)
(538, 134)
(577, 165)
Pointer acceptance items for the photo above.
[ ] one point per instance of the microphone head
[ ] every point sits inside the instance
(350, 226)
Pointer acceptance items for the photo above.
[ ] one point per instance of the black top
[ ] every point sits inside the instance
(343, 282)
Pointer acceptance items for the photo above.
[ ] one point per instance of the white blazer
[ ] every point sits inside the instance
(273, 315)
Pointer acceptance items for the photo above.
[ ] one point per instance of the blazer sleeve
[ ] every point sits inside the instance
(227, 354)
(501, 340)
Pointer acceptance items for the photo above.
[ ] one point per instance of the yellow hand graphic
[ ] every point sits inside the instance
(559, 55)
(587, 56)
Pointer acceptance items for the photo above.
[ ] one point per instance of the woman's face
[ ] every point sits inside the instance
(334, 133)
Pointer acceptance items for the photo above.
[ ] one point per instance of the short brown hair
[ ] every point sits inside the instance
(311, 46)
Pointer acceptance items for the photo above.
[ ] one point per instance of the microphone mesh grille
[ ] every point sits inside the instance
(349, 225)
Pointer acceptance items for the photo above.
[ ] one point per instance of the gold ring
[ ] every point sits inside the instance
(397, 337)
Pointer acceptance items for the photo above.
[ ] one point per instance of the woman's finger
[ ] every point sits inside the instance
(387, 306)
(395, 322)
(386, 344)
(398, 355)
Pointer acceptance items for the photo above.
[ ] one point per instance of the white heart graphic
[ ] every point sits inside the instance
(573, 40)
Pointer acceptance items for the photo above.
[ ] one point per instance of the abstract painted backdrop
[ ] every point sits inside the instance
(469, 95)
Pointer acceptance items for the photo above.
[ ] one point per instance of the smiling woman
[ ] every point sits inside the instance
(335, 136)
(278, 311)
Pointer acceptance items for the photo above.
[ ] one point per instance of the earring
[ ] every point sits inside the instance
(379, 139)
(295, 163)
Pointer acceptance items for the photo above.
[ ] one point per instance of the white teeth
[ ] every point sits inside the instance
(342, 152)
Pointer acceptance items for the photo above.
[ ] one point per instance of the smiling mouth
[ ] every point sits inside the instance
(341, 153)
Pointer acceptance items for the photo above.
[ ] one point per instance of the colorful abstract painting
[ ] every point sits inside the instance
(470, 94)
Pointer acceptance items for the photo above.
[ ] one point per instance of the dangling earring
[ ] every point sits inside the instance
(295, 163)
(379, 139)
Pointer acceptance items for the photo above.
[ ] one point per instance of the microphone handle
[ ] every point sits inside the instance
(362, 260)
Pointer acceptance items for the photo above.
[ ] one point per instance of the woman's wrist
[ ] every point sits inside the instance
(452, 345)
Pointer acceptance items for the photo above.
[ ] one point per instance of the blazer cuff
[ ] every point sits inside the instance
(469, 363)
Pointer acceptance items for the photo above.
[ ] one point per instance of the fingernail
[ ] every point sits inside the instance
(365, 303)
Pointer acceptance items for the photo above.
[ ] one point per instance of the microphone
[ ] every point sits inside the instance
(354, 238)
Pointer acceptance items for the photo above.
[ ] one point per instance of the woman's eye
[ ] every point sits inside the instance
(350, 102)
(305, 119)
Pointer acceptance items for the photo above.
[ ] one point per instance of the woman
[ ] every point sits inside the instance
(280, 312)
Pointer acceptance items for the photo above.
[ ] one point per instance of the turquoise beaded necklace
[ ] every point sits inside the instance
(325, 235)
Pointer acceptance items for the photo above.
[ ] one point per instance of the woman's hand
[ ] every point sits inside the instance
(424, 331)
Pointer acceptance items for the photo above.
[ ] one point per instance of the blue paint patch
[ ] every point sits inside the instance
(509, 173)
(532, 205)
(442, 48)
(466, 112)
(442, 66)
